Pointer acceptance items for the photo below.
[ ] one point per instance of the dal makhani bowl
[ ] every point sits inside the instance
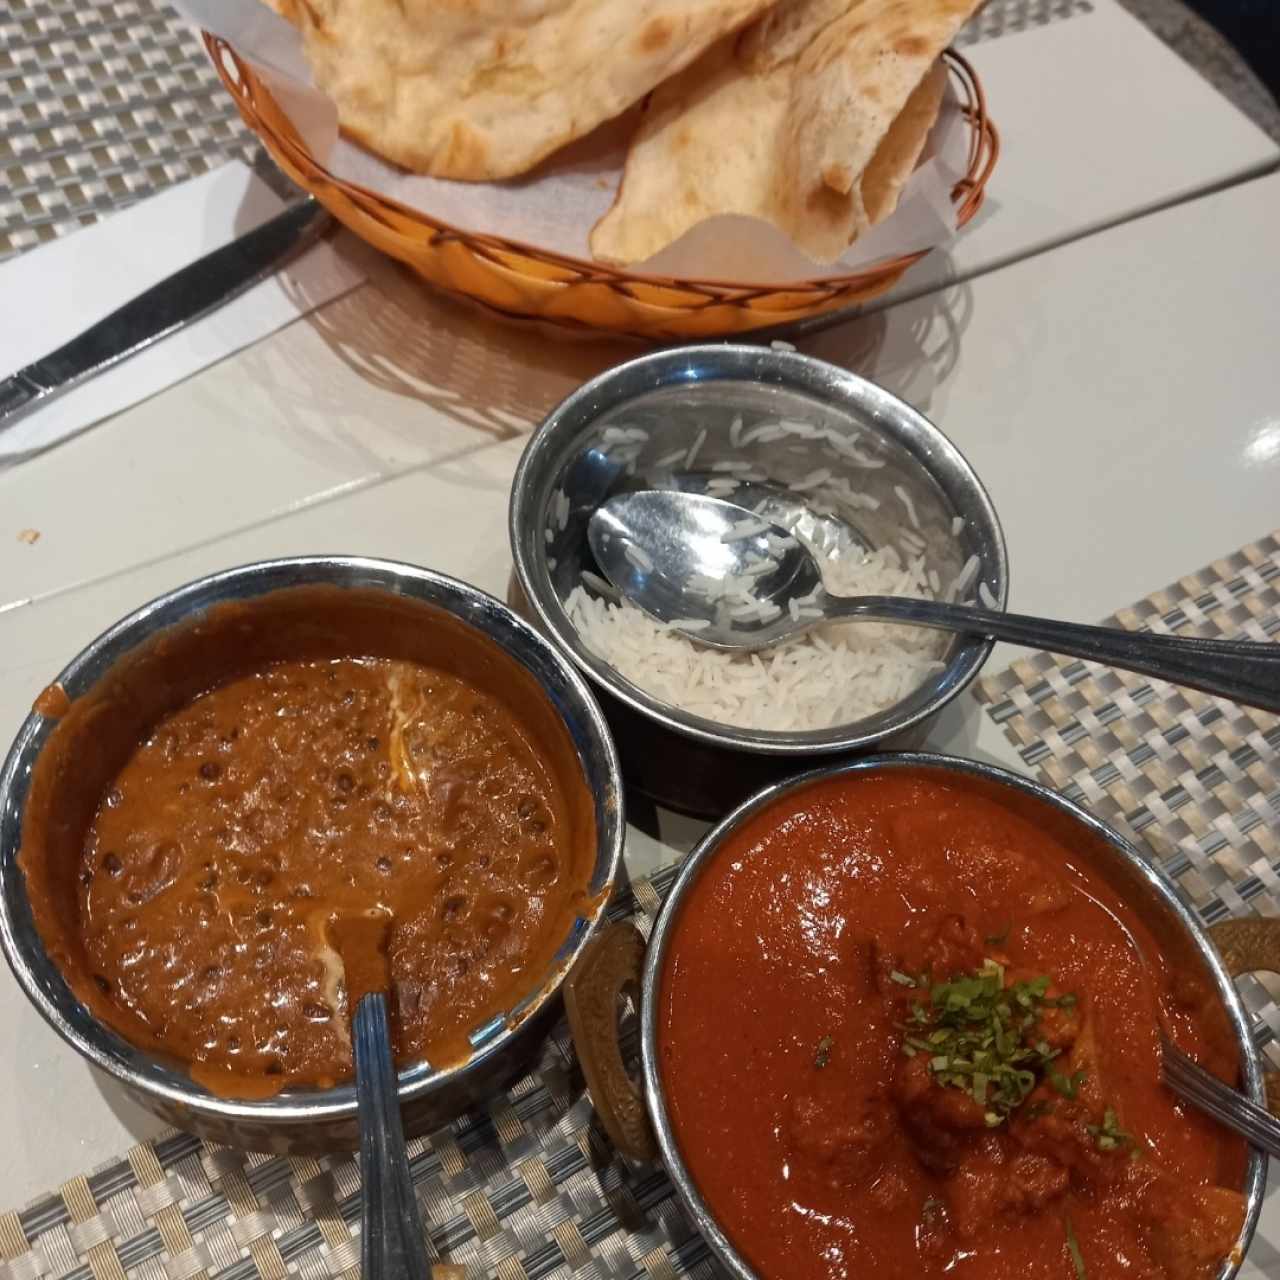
(901, 1018)
(885, 501)
(228, 771)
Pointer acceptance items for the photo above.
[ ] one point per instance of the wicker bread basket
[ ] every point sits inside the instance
(521, 281)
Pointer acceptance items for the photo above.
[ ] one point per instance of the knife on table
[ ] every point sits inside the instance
(165, 308)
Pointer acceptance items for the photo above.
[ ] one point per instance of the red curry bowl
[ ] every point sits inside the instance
(1183, 946)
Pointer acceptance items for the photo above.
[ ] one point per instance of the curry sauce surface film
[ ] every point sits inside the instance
(252, 815)
(826, 1146)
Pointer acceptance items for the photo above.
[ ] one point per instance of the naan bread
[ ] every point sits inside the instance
(849, 85)
(712, 141)
(484, 89)
(895, 158)
(708, 143)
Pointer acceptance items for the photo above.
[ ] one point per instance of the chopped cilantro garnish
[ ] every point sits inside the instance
(978, 1037)
(823, 1056)
(1073, 1248)
(1068, 1086)
(1108, 1135)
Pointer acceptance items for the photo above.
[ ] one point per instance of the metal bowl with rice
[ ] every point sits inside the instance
(882, 496)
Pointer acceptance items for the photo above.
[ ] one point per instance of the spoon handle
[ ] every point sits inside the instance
(391, 1240)
(1244, 671)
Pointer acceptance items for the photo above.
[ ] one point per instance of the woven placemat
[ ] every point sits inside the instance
(104, 102)
(1193, 779)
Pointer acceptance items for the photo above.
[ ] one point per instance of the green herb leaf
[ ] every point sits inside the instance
(1108, 1135)
(902, 979)
(823, 1056)
(1068, 1086)
(982, 1037)
(1073, 1248)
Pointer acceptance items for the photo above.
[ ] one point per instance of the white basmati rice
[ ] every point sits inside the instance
(670, 459)
(864, 460)
(812, 480)
(744, 529)
(621, 435)
(963, 579)
(957, 523)
(987, 596)
(560, 501)
(778, 345)
(764, 432)
(834, 674)
(594, 582)
(905, 498)
(697, 444)
(638, 556)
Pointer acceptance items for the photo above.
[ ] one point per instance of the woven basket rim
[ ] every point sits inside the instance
(967, 194)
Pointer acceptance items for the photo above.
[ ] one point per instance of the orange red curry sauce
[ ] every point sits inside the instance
(824, 1150)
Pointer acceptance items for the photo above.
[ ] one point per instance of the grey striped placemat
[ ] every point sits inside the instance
(1194, 779)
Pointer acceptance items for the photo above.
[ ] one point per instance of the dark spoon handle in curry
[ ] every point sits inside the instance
(392, 1245)
(1244, 671)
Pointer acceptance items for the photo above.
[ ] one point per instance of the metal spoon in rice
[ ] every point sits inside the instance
(729, 579)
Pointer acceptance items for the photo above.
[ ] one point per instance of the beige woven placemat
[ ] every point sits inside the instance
(1194, 779)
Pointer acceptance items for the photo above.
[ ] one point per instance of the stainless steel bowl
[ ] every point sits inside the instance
(310, 1120)
(577, 459)
(1143, 887)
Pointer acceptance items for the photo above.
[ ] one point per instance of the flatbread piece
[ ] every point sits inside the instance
(485, 89)
(713, 141)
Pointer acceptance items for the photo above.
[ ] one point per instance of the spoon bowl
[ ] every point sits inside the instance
(714, 570)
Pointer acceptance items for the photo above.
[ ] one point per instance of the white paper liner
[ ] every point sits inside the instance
(555, 207)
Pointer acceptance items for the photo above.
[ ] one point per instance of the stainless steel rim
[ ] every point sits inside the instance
(1256, 1170)
(789, 369)
(39, 978)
